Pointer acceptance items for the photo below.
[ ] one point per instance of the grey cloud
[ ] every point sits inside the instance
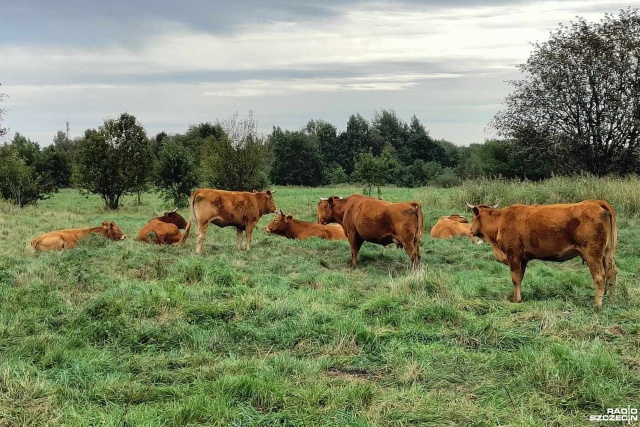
(327, 71)
(102, 23)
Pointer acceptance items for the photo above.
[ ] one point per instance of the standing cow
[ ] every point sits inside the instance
(164, 230)
(228, 208)
(520, 233)
(67, 239)
(376, 221)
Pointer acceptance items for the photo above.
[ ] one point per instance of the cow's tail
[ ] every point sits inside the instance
(610, 250)
(420, 224)
(192, 217)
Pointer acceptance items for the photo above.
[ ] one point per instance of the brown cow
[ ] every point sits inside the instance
(67, 239)
(453, 226)
(223, 208)
(376, 221)
(291, 228)
(520, 233)
(164, 230)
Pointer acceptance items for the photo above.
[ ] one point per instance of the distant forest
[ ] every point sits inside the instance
(119, 158)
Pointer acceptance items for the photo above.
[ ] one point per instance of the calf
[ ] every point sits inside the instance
(67, 239)
(291, 228)
(164, 230)
(239, 209)
(453, 226)
(521, 233)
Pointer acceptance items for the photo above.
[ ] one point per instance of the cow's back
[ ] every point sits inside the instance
(554, 231)
(59, 239)
(379, 221)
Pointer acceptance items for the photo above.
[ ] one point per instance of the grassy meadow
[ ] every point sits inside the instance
(128, 334)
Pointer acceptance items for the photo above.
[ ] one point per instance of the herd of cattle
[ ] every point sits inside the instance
(517, 233)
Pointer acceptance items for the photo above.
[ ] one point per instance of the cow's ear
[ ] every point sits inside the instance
(475, 210)
(105, 224)
(330, 201)
(112, 224)
(288, 218)
(268, 193)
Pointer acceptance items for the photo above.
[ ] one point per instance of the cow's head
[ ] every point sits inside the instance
(481, 214)
(173, 217)
(325, 210)
(266, 202)
(278, 225)
(270, 203)
(112, 231)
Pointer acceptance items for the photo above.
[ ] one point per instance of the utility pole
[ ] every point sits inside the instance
(67, 128)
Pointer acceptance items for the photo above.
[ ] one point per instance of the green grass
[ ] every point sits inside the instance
(128, 334)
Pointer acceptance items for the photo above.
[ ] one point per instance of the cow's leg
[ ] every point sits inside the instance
(202, 230)
(239, 237)
(596, 267)
(356, 243)
(517, 267)
(250, 234)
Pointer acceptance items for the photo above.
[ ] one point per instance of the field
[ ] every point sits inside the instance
(128, 334)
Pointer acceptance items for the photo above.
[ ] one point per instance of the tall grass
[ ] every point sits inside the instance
(622, 193)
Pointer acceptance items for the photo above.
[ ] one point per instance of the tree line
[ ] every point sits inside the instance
(576, 110)
(119, 158)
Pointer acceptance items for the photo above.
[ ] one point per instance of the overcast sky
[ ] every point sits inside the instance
(173, 64)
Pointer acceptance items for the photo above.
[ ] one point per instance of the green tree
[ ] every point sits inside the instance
(58, 164)
(375, 171)
(234, 158)
(451, 153)
(355, 140)
(114, 160)
(297, 159)
(101, 169)
(578, 103)
(328, 143)
(20, 180)
(134, 150)
(177, 173)
(420, 146)
(388, 129)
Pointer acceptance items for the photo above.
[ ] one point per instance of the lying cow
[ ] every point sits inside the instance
(376, 221)
(453, 226)
(521, 233)
(228, 208)
(291, 228)
(164, 230)
(67, 239)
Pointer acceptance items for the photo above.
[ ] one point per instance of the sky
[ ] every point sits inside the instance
(175, 64)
